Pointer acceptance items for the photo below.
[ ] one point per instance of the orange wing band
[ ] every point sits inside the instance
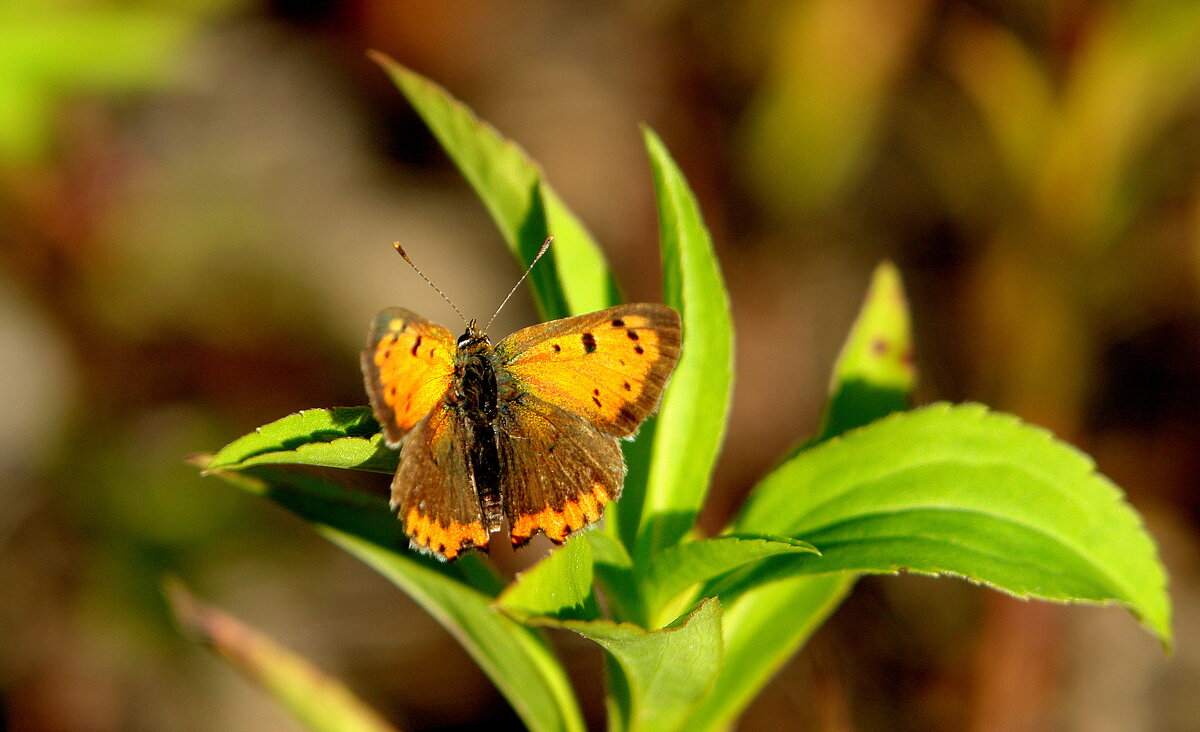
(449, 541)
(558, 524)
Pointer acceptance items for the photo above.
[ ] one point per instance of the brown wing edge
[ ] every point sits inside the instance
(433, 491)
(558, 471)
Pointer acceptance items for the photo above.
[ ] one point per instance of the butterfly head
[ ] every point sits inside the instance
(472, 338)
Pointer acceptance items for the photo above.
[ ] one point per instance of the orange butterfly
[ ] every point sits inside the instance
(525, 430)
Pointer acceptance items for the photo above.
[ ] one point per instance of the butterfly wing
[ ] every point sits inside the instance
(609, 367)
(557, 471)
(434, 488)
(408, 365)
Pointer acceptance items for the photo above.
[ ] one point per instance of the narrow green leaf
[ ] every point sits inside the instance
(516, 658)
(343, 437)
(960, 490)
(524, 207)
(875, 371)
(679, 567)
(664, 672)
(558, 586)
(691, 421)
(767, 625)
(316, 700)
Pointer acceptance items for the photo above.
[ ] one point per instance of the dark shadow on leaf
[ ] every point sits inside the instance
(633, 496)
(669, 526)
(384, 460)
(547, 291)
(322, 496)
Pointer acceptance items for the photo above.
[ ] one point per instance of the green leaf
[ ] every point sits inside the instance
(960, 490)
(665, 673)
(692, 417)
(516, 658)
(343, 437)
(615, 576)
(875, 371)
(679, 567)
(767, 625)
(524, 207)
(316, 700)
(762, 631)
(558, 586)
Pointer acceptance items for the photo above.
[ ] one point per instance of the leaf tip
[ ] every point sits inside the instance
(201, 460)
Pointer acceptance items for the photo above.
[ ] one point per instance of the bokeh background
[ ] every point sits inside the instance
(196, 204)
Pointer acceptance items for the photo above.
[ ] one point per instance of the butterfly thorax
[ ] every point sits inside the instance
(475, 371)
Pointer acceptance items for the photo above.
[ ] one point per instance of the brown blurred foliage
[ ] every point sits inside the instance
(196, 202)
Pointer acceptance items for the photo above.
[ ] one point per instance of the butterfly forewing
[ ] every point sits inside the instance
(408, 366)
(557, 471)
(609, 367)
(434, 490)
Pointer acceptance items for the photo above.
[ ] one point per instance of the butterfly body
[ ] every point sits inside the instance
(525, 430)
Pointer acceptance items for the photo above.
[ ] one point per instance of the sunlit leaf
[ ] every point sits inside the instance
(679, 567)
(692, 418)
(664, 672)
(558, 586)
(345, 437)
(960, 490)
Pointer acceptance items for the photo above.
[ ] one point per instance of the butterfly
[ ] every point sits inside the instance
(526, 430)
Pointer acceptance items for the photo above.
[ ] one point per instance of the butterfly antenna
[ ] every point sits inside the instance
(436, 289)
(545, 246)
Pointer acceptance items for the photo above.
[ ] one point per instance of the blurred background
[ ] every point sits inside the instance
(197, 200)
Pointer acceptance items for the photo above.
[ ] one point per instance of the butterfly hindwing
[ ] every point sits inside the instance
(434, 489)
(557, 470)
(610, 366)
(408, 366)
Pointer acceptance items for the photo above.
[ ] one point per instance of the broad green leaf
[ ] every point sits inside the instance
(524, 207)
(316, 700)
(963, 491)
(691, 420)
(679, 567)
(516, 658)
(343, 437)
(558, 586)
(767, 625)
(665, 673)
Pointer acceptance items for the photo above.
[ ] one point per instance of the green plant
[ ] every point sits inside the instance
(694, 626)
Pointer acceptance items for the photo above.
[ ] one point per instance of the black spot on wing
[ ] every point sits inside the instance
(589, 342)
(416, 345)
